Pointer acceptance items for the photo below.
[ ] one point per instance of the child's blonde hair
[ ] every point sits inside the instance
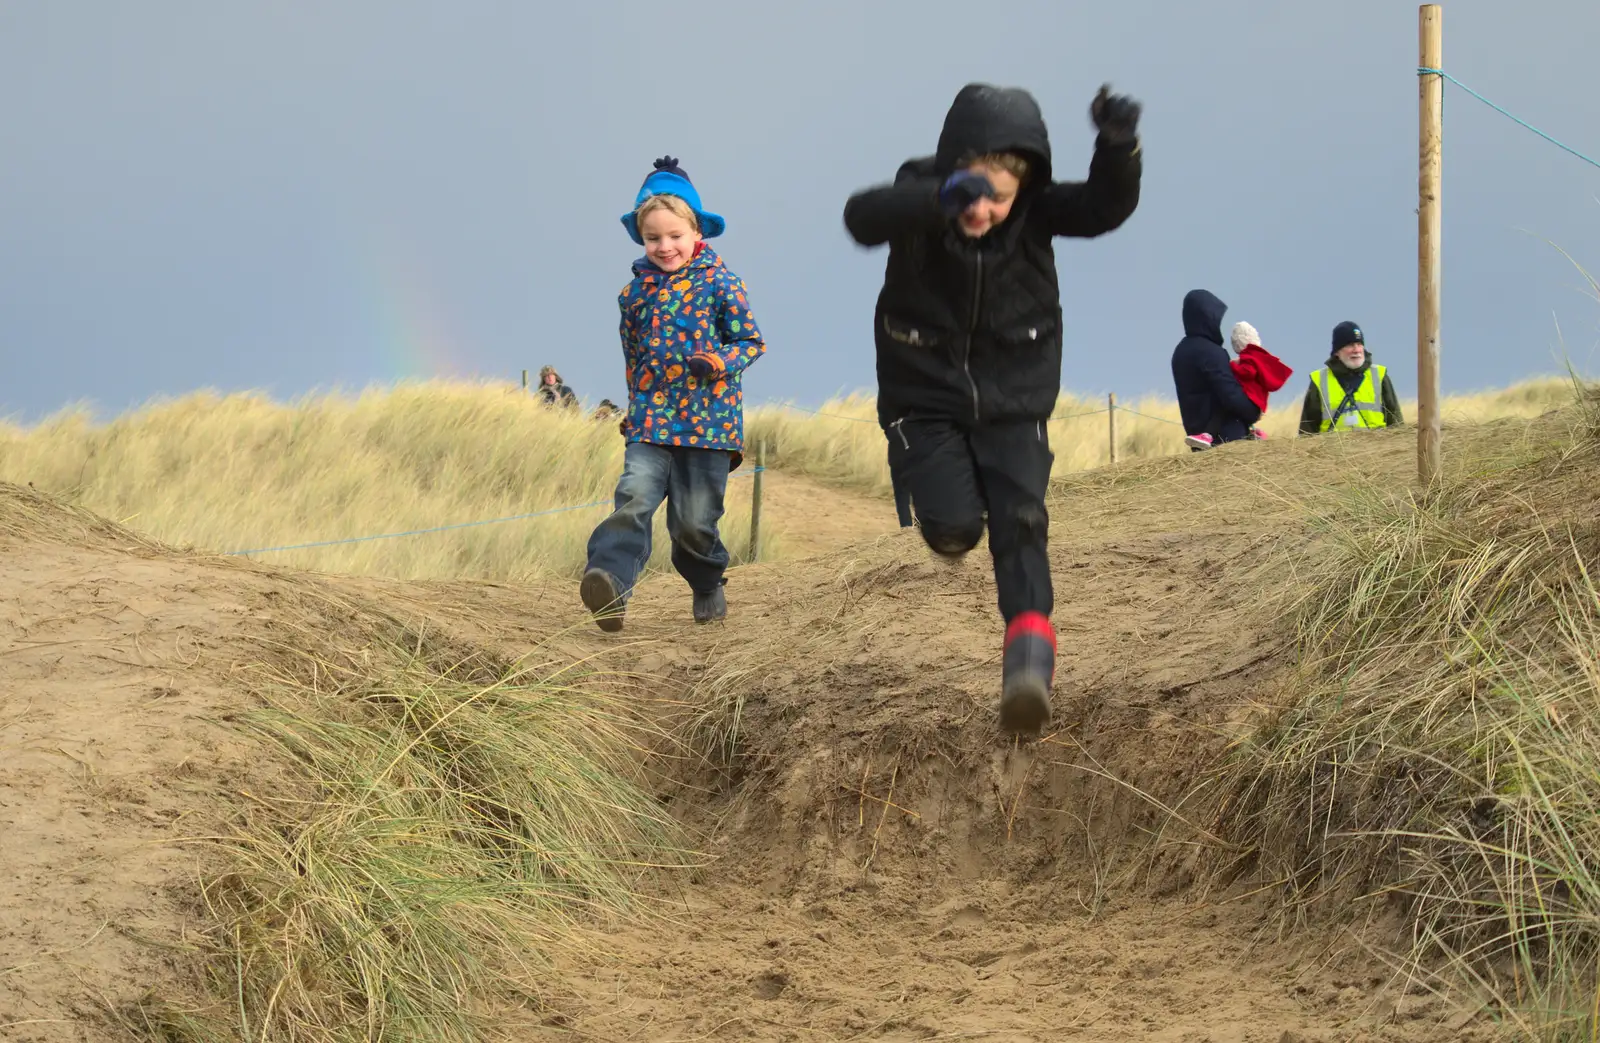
(670, 203)
(1012, 163)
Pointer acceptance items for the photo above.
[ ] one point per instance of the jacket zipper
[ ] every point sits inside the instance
(972, 325)
(899, 430)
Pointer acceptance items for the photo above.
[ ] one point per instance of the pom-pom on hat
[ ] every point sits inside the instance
(669, 179)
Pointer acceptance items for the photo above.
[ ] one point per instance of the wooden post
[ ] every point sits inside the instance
(755, 501)
(1111, 412)
(524, 380)
(1430, 175)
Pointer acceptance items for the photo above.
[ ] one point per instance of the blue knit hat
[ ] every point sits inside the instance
(669, 179)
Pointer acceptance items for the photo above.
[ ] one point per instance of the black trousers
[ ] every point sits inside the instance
(897, 479)
(994, 474)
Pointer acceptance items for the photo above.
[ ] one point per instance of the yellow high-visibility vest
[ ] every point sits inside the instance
(1365, 411)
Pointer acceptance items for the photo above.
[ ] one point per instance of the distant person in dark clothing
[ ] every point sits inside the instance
(553, 392)
(1210, 399)
(1350, 391)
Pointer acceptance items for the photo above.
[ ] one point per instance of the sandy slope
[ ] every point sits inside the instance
(889, 867)
(894, 869)
(113, 657)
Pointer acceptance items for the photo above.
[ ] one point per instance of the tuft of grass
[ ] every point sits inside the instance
(1439, 753)
(448, 837)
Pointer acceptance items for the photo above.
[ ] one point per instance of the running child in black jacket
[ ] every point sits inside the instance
(968, 334)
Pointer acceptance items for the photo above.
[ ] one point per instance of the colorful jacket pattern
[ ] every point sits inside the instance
(667, 317)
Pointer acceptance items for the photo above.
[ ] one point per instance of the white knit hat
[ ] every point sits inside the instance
(1245, 335)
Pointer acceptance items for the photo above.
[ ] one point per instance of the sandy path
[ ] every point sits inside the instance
(892, 869)
(887, 867)
(813, 519)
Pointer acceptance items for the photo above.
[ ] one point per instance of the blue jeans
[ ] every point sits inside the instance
(693, 482)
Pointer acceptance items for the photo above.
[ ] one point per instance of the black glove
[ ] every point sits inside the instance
(961, 189)
(1115, 116)
(700, 366)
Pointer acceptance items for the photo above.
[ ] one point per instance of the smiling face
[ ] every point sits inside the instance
(669, 232)
(1353, 355)
(981, 217)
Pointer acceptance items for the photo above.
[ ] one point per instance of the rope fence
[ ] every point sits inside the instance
(1147, 416)
(755, 474)
(1423, 70)
(1110, 412)
(445, 528)
(1052, 420)
(1431, 79)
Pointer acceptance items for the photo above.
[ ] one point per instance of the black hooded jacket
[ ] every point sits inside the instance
(970, 329)
(1209, 396)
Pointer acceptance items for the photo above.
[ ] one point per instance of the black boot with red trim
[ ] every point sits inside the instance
(1029, 670)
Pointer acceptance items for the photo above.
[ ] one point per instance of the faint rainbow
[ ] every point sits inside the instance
(411, 336)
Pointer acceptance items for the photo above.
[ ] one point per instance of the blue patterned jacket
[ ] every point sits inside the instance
(700, 309)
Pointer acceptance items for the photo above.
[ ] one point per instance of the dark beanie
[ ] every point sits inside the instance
(1347, 333)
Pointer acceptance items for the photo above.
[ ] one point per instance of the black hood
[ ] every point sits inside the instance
(1202, 315)
(985, 120)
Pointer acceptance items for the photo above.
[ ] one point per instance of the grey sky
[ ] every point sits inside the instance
(291, 196)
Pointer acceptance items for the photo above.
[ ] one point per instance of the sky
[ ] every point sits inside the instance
(297, 197)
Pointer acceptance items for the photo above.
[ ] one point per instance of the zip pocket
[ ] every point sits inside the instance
(906, 333)
(1023, 336)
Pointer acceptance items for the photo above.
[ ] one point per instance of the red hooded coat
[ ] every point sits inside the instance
(1260, 373)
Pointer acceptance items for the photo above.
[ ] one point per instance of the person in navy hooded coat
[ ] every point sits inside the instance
(1209, 396)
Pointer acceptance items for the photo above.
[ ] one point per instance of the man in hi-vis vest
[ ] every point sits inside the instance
(1349, 392)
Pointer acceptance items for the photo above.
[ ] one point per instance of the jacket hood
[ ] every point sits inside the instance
(1202, 315)
(985, 119)
(1268, 369)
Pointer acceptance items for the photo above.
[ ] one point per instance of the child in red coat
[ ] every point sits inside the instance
(1259, 372)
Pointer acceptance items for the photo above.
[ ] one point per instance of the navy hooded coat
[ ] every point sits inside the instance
(1209, 396)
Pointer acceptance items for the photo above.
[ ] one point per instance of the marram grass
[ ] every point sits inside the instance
(242, 472)
(1439, 753)
(447, 838)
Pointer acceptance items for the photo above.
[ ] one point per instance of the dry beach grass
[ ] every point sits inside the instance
(238, 472)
